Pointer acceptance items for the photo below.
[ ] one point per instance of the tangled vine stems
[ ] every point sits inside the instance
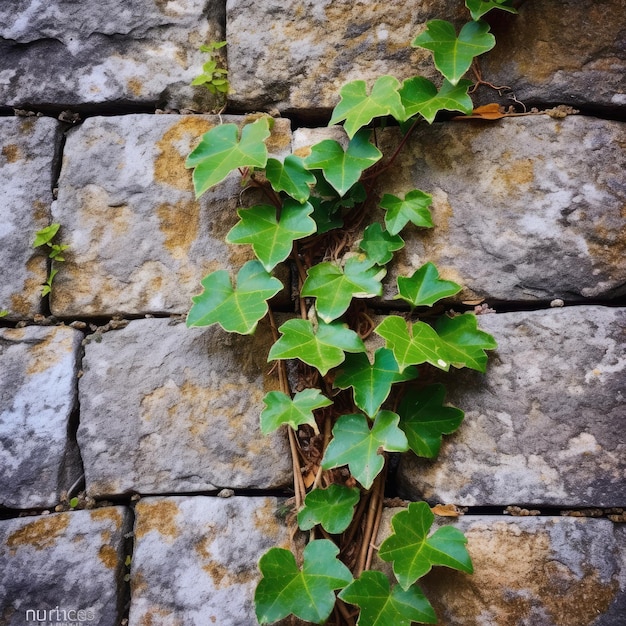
(345, 409)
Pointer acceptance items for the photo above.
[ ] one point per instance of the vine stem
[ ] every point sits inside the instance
(374, 511)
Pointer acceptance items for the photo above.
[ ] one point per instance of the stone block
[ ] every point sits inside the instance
(169, 409)
(63, 54)
(140, 241)
(545, 425)
(195, 558)
(27, 154)
(38, 458)
(64, 568)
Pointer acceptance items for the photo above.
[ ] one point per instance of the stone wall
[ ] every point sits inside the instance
(106, 394)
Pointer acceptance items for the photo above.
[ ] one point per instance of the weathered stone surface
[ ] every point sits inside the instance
(63, 54)
(527, 208)
(169, 409)
(140, 241)
(545, 425)
(68, 562)
(27, 150)
(533, 571)
(211, 547)
(37, 397)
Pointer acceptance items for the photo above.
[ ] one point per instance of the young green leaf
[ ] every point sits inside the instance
(281, 409)
(414, 208)
(333, 508)
(343, 169)
(272, 239)
(382, 606)
(360, 448)
(334, 287)
(453, 56)
(326, 214)
(371, 382)
(322, 349)
(328, 208)
(307, 593)
(379, 244)
(419, 95)
(236, 309)
(424, 287)
(45, 235)
(478, 8)
(424, 419)
(358, 109)
(4, 313)
(220, 151)
(414, 553)
(291, 177)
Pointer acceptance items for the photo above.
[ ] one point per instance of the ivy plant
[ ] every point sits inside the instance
(346, 408)
(44, 237)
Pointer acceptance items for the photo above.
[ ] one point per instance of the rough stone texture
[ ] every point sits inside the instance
(27, 150)
(527, 208)
(140, 241)
(532, 571)
(37, 397)
(169, 409)
(60, 53)
(211, 547)
(545, 425)
(67, 561)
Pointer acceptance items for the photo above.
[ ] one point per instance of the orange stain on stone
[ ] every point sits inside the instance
(40, 534)
(12, 153)
(180, 225)
(108, 555)
(157, 516)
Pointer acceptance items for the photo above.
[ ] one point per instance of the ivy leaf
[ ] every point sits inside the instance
(322, 349)
(358, 109)
(424, 287)
(371, 381)
(334, 287)
(325, 214)
(236, 309)
(343, 169)
(327, 211)
(382, 606)
(412, 344)
(333, 508)
(414, 553)
(272, 239)
(291, 177)
(479, 7)
(419, 95)
(307, 593)
(453, 56)
(463, 343)
(424, 419)
(281, 409)
(360, 448)
(379, 244)
(220, 152)
(414, 208)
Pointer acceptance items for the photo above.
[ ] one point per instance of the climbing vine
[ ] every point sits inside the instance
(347, 410)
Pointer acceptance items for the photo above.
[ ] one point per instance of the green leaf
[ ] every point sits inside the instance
(334, 287)
(419, 95)
(4, 313)
(333, 508)
(272, 239)
(371, 381)
(360, 448)
(478, 8)
(73, 503)
(414, 553)
(379, 244)
(326, 214)
(45, 235)
(307, 593)
(291, 177)
(463, 344)
(424, 419)
(343, 169)
(414, 208)
(321, 349)
(382, 606)
(220, 151)
(358, 109)
(281, 409)
(424, 287)
(234, 309)
(453, 56)
(412, 344)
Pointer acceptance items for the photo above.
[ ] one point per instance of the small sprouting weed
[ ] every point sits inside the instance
(213, 77)
(44, 237)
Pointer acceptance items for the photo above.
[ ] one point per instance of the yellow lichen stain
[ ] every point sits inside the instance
(136, 86)
(12, 153)
(14, 334)
(607, 243)
(108, 556)
(107, 513)
(46, 352)
(266, 520)
(223, 577)
(138, 583)
(180, 224)
(42, 533)
(40, 211)
(158, 617)
(158, 516)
